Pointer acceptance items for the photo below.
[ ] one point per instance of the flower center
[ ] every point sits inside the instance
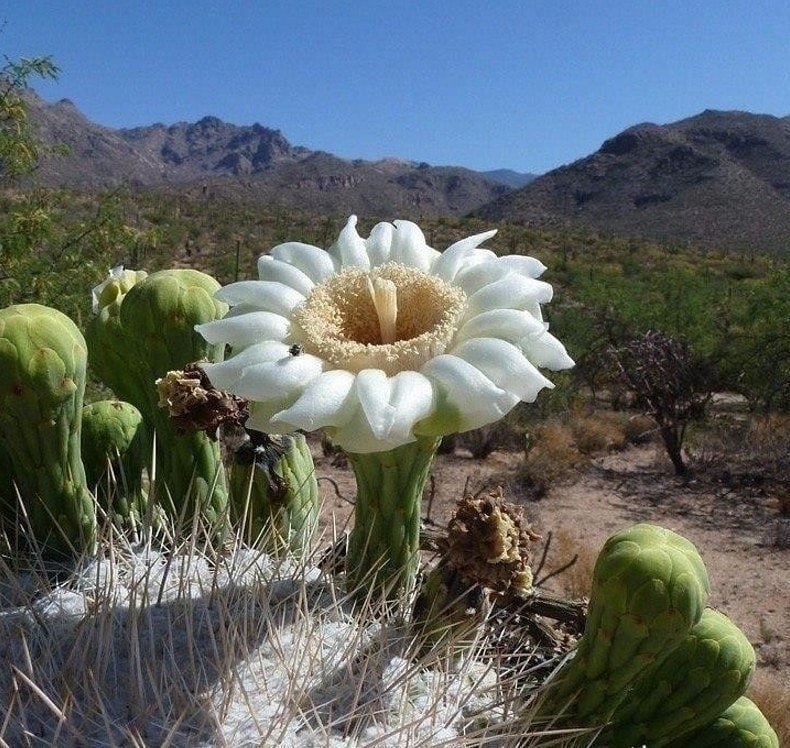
(394, 318)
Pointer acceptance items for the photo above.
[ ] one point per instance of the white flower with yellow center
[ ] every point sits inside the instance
(383, 340)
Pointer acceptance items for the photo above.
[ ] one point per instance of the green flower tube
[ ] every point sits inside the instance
(742, 725)
(274, 493)
(114, 444)
(688, 689)
(151, 334)
(43, 359)
(384, 546)
(649, 588)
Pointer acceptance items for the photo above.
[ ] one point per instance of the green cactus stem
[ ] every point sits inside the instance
(486, 555)
(138, 341)
(742, 725)
(114, 444)
(383, 553)
(649, 588)
(43, 359)
(274, 493)
(688, 689)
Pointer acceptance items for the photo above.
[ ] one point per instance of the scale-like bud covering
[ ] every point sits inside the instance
(692, 686)
(742, 725)
(274, 493)
(42, 382)
(114, 444)
(649, 588)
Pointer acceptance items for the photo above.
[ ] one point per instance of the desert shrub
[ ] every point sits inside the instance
(668, 382)
(598, 431)
(551, 454)
(576, 580)
(771, 692)
(639, 428)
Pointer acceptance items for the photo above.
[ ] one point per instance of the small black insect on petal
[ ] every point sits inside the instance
(295, 350)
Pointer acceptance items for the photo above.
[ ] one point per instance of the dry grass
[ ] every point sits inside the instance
(598, 431)
(551, 455)
(576, 581)
(771, 692)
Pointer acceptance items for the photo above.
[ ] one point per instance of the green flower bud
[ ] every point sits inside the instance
(114, 445)
(42, 382)
(689, 688)
(649, 588)
(274, 493)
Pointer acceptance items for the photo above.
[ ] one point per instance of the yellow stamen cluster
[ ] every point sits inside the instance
(394, 318)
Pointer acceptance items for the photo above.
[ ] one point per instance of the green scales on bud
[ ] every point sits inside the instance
(135, 339)
(42, 382)
(688, 689)
(649, 588)
(274, 493)
(741, 725)
(114, 452)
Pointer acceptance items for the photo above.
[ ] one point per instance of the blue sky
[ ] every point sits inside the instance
(527, 85)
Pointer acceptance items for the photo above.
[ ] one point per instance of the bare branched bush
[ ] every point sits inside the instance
(669, 384)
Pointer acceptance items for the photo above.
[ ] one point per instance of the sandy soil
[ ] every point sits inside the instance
(733, 528)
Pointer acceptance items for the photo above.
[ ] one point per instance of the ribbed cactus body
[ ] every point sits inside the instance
(137, 341)
(274, 493)
(114, 452)
(649, 588)
(42, 382)
(688, 689)
(742, 725)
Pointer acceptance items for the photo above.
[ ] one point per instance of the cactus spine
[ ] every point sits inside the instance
(274, 493)
(43, 359)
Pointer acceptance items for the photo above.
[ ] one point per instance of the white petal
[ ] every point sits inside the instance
(349, 250)
(325, 401)
(509, 324)
(467, 399)
(505, 365)
(523, 265)
(379, 243)
(511, 292)
(461, 255)
(543, 349)
(409, 247)
(392, 405)
(266, 296)
(245, 329)
(475, 276)
(275, 380)
(224, 375)
(314, 262)
(270, 269)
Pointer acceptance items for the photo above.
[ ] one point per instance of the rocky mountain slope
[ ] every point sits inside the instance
(715, 179)
(253, 162)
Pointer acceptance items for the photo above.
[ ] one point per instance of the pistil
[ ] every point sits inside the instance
(385, 300)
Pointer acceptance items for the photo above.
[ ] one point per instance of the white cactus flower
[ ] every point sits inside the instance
(384, 339)
(115, 286)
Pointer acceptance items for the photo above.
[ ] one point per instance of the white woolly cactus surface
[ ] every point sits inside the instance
(142, 649)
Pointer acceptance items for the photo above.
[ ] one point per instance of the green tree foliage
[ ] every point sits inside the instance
(19, 147)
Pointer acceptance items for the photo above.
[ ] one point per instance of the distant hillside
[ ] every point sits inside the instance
(509, 177)
(254, 162)
(716, 179)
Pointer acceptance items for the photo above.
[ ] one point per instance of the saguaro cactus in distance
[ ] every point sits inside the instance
(43, 358)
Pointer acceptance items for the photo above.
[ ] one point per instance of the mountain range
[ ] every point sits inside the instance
(251, 162)
(717, 179)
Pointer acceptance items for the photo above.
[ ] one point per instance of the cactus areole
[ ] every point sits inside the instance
(43, 358)
(386, 344)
